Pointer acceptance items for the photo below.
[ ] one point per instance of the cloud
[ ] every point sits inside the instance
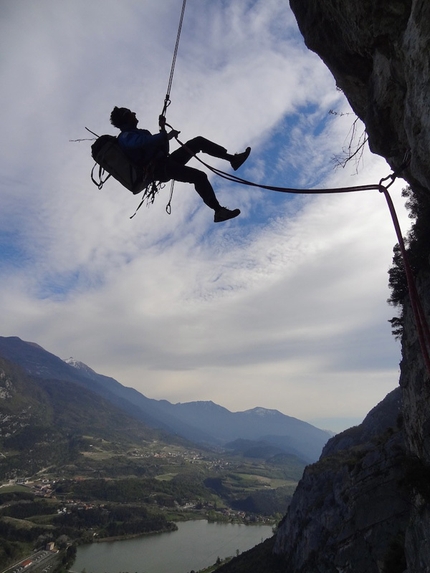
(283, 308)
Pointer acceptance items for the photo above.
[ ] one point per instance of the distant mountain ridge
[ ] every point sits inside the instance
(201, 422)
(47, 423)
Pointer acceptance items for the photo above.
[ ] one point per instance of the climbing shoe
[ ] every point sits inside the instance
(240, 158)
(224, 214)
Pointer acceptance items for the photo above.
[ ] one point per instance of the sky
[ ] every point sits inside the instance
(283, 307)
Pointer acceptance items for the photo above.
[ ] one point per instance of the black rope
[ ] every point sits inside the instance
(236, 179)
(371, 187)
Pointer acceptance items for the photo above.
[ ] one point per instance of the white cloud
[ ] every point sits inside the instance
(285, 307)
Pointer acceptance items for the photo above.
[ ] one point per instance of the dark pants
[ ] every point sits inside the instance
(174, 167)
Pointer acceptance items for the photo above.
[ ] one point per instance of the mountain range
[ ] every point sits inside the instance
(202, 422)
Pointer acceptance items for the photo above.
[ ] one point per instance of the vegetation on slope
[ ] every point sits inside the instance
(416, 242)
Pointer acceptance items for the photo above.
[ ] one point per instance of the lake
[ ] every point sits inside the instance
(196, 544)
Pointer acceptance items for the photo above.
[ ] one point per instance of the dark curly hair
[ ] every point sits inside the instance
(119, 116)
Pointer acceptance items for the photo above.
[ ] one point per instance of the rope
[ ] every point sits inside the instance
(236, 179)
(419, 315)
(167, 100)
(421, 323)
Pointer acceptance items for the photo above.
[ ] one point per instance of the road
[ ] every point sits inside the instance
(39, 562)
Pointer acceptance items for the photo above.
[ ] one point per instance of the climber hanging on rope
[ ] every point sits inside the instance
(152, 153)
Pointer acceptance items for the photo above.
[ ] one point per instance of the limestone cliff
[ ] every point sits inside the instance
(379, 54)
(350, 510)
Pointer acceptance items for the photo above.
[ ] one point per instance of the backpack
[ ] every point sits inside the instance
(111, 159)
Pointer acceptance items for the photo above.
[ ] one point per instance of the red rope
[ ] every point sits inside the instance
(420, 318)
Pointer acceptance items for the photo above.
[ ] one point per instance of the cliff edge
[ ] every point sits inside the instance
(379, 54)
(351, 508)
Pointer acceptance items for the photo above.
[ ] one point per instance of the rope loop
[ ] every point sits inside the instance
(382, 187)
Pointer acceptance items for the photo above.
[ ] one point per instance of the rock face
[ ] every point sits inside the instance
(379, 53)
(350, 510)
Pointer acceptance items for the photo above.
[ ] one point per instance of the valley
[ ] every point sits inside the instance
(108, 494)
(84, 459)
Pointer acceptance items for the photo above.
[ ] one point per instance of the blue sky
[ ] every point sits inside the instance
(285, 306)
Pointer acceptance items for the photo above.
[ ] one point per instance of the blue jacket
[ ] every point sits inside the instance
(142, 147)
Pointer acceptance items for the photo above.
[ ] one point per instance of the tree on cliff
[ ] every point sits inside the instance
(416, 241)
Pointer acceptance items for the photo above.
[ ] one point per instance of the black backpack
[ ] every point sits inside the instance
(111, 159)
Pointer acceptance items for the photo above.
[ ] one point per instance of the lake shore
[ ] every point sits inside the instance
(195, 545)
(131, 535)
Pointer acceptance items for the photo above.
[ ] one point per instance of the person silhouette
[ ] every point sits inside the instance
(151, 151)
